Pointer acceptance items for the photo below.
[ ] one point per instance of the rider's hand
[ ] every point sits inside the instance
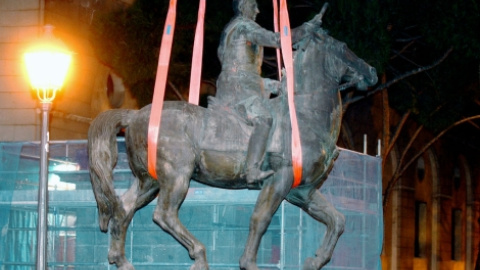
(272, 86)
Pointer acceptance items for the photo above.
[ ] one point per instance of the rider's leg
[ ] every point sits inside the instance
(271, 196)
(256, 150)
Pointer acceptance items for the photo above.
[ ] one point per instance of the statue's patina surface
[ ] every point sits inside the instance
(211, 145)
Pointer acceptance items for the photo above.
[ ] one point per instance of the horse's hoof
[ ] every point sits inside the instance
(103, 220)
(248, 265)
(250, 268)
(120, 261)
(309, 264)
(113, 257)
(199, 266)
(126, 266)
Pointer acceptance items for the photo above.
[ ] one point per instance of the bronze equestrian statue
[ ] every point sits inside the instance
(210, 145)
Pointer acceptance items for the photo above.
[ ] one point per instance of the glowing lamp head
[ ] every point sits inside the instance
(47, 62)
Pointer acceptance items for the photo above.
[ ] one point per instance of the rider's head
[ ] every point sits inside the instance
(246, 8)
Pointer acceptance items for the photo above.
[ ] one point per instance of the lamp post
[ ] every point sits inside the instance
(47, 63)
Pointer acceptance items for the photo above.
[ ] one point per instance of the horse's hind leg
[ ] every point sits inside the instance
(137, 196)
(173, 190)
(319, 208)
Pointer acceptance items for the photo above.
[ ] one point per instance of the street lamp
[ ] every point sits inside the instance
(47, 62)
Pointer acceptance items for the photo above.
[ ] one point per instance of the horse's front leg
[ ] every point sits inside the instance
(173, 190)
(315, 204)
(271, 196)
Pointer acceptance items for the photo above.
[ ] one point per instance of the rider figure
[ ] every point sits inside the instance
(240, 85)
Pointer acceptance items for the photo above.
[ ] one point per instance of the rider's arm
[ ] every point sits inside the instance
(261, 36)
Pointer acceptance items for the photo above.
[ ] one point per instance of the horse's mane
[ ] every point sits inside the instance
(322, 38)
(319, 40)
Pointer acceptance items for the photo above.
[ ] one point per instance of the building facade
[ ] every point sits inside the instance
(85, 93)
(432, 213)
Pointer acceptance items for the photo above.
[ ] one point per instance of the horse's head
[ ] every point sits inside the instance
(335, 62)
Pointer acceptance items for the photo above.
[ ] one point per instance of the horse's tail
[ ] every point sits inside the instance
(102, 157)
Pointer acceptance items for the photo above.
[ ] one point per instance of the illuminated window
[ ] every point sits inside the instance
(420, 229)
(420, 169)
(456, 178)
(456, 234)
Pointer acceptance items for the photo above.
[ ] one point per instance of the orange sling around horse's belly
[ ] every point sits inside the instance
(159, 90)
(286, 45)
(161, 78)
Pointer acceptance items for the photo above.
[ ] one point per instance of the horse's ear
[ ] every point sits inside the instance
(323, 10)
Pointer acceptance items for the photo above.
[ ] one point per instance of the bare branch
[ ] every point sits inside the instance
(409, 145)
(401, 77)
(399, 173)
(395, 136)
(406, 59)
(403, 49)
(408, 39)
(413, 72)
(74, 117)
(386, 121)
(175, 91)
(474, 124)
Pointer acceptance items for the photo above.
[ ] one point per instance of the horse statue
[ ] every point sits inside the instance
(187, 151)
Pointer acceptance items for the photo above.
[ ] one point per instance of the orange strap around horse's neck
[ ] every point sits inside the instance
(161, 78)
(286, 45)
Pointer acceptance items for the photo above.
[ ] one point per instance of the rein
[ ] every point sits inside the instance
(348, 84)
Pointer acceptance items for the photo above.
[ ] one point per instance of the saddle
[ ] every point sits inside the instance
(225, 130)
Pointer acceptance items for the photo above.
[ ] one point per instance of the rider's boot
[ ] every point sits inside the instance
(256, 152)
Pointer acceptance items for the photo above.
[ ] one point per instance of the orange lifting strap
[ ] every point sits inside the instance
(286, 45)
(196, 74)
(195, 78)
(161, 78)
(276, 28)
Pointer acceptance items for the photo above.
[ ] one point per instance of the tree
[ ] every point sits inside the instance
(431, 79)
(440, 96)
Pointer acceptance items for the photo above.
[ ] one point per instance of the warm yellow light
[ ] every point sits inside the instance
(47, 69)
(47, 64)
